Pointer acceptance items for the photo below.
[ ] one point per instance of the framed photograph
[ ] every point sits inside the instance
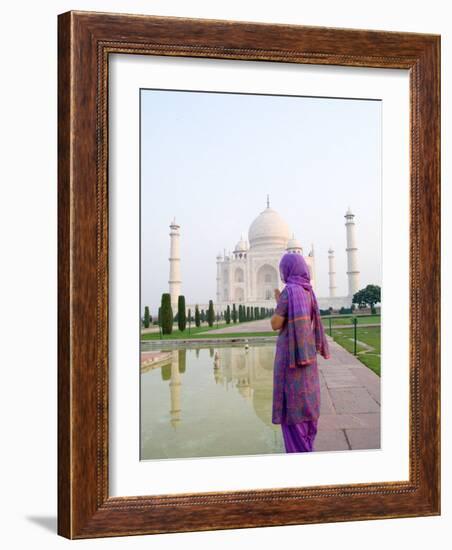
(249, 275)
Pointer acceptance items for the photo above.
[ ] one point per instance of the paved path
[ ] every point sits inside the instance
(350, 403)
(263, 325)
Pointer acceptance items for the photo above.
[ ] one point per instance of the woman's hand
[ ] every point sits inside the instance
(277, 294)
(277, 322)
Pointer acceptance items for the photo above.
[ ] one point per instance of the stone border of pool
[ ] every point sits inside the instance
(194, 342)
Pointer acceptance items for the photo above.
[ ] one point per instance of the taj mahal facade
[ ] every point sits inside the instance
(250, 273)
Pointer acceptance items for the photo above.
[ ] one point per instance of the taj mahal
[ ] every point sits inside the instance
(249, 274)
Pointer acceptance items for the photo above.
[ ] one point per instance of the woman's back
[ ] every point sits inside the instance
(296, 385)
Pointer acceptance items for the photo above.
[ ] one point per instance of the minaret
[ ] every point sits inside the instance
(332, 272)
(311, 265)
(174, 259)
(219, 278)
(352, 254)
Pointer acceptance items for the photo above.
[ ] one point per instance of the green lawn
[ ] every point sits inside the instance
(367, 335)
(347, 320)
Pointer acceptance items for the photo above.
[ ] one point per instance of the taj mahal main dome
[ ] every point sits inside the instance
(250, 273)
(268, 229)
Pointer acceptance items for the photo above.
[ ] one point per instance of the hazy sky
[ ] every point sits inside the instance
(210, 159)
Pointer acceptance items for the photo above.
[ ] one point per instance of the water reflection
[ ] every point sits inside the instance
(212, 401)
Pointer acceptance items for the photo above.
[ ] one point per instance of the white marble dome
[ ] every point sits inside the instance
(241, 246)
(294, 245)
(268, 229)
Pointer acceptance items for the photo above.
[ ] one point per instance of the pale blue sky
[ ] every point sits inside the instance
(210, 159)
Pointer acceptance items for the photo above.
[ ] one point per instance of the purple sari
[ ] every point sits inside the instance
(296, 387)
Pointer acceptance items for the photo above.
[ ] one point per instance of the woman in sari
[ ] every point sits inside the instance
(296, 386)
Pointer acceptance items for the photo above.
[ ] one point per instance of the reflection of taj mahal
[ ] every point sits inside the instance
(249, 371)
(250, 273)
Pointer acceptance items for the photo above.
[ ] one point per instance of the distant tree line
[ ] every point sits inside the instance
(166, 317)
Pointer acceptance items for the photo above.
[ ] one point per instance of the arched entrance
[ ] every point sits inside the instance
(239, 294)
(267, 281)
(239, 276)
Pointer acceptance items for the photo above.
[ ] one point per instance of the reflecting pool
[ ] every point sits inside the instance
(209, 401)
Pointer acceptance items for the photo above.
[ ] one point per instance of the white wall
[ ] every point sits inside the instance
(28, 267)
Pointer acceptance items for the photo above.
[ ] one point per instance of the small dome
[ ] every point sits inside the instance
(293, 244)
(268, 229)
(241, 246)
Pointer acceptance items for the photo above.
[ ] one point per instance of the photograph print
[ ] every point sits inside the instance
(260, 275)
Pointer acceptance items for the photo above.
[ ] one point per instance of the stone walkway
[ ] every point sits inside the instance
(263, 325)
(350, 403)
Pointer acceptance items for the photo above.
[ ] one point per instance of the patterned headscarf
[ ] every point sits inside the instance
(305, 328)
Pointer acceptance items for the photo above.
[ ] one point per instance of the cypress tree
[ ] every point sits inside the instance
(210, 314)
(234, 314)
(252, 314)
(203, 315)
(181, 316)
(197, 317)
(146, 320)
(248, 313)
(227, 315)
(167, 314)
(240, 313)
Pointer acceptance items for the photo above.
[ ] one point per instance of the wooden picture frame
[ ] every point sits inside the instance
(85, 42)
